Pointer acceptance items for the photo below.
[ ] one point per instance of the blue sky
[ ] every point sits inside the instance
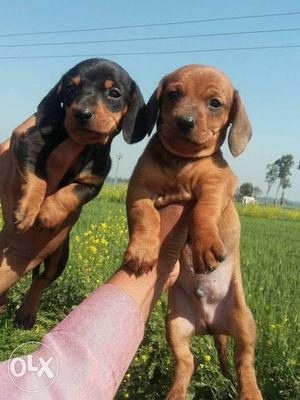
(268, 80)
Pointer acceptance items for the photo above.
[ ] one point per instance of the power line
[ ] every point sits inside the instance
(153, 52)
(230, 18)
(139, 39)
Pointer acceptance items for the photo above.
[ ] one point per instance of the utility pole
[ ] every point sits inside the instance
(119, 156)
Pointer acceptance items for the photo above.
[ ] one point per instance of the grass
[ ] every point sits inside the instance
(270, 255)
(270, 261)
(269, 211)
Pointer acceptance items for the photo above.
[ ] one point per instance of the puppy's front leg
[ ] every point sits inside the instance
(57, 207)
(144, 229)
(207, 247)
(27, 148)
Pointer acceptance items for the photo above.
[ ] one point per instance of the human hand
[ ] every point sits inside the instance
(146, 288)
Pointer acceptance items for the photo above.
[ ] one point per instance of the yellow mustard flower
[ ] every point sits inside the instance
(207, 358)
(93, 249)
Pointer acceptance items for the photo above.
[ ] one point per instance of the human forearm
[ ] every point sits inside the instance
(146, 288)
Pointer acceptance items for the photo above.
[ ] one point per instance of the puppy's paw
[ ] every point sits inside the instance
(176, 395)
(141, 257)
(25, 215)
(25, 319)
(3, 309)
(252, 393)
(50, 217)
(207, 254)
(251, 397)
(3, 303)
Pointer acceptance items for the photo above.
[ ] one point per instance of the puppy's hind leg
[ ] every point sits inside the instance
(221, 346)
(179, 331)
(244, 335)
(9, 275)
(54, 266)
(3, 302)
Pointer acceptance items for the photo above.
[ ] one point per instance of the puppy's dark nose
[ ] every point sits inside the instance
(83, 115)
(186, 122)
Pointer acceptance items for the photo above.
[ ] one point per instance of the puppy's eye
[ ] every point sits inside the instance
(215, 104)
(114, 93)
(174, 95)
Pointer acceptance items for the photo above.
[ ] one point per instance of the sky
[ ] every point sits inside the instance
(268, 80)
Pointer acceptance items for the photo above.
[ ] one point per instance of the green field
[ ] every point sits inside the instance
(270, 253)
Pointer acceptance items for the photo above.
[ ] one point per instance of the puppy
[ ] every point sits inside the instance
(194, 107)
(90, 104)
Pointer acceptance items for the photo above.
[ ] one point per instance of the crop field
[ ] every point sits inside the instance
(270, 254)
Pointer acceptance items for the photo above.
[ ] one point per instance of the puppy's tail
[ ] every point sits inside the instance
(221, 346)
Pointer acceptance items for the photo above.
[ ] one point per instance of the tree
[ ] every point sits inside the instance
(271, 177)
(246, 189)
(257, 191)
(284, 184)
(284, 165)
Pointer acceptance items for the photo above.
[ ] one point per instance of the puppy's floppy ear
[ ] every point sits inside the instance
(50, 111)
(152, 109)
(134, 122)
(240, 131)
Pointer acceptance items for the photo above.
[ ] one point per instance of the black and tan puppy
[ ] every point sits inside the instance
(91, 104)
(195, 108)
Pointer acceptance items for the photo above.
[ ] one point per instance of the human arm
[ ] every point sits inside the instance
(96, 342)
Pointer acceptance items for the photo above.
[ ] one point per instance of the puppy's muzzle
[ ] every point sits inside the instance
(83, 115)
(185, 122)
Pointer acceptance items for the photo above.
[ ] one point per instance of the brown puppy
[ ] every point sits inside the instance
(194, 107)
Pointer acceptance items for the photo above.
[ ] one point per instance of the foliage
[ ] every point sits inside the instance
(246, 189)
(257, 191)
(284, 165)
(270, 262)
(271, 177)
(269, 212)
(115, 194)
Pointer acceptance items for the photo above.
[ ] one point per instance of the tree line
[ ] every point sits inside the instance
(279, 173)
